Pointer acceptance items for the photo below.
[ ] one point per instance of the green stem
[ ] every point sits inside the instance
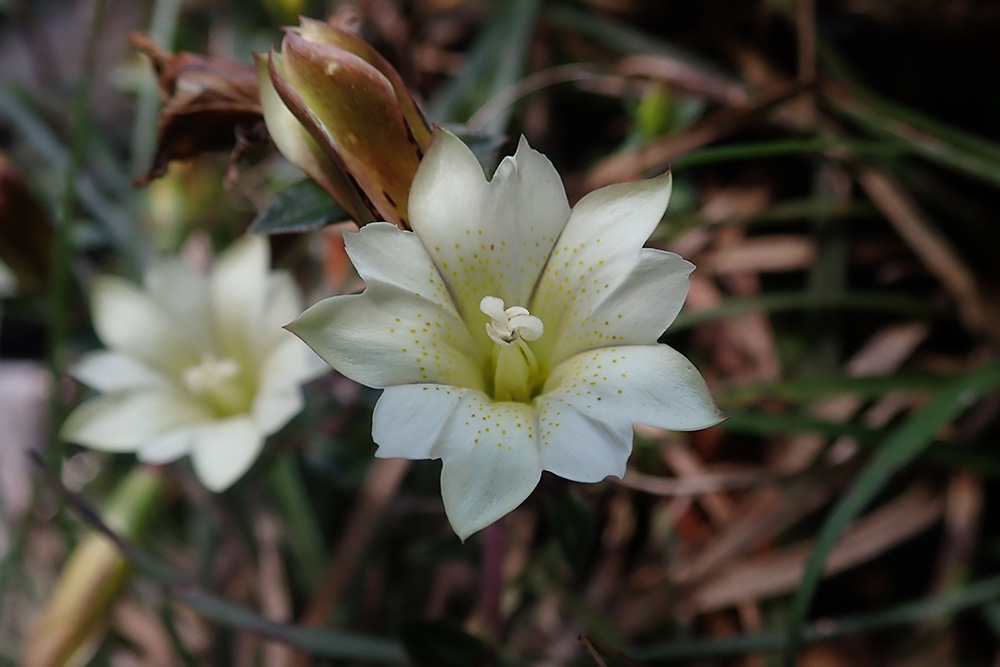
(62, 253)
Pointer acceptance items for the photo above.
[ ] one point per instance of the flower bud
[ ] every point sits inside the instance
(338, 110)
(73, 621)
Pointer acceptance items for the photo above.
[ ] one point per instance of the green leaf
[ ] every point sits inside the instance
(316, 641)
(300, 207)
(978, 593)
(902, 446)
(435, 643)
(883, 302)
(819, 386)
(493, 64)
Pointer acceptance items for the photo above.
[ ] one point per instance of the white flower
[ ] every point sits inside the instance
(512, 334)
(196, 364)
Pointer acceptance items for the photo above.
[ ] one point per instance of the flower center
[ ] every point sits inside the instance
(515, 370)
(217, 382)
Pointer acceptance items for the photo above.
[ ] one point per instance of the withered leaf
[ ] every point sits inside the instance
(210, 104)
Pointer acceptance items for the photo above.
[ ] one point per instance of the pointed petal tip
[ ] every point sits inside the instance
(464, 531)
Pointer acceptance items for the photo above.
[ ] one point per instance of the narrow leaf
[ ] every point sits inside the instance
(300, 207)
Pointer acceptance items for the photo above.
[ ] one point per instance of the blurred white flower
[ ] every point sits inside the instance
(512, 334)
(196, 364)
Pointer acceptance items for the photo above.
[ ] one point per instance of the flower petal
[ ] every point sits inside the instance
(636, 312)
(289, 363)
(490, 461)
(238, 287)
(297, 145)
(487, 239)
(645, 384)
(387, 337)
(182, 292)
(105, 370)
(274, 406)
(224, 450)
(385, 255)
(598, 248)
(282, 304)
(131, 323)
(168, 446)
(579, 448)
(124, 421)
(409, 419)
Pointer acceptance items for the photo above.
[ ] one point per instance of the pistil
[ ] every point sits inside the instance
(515, 369)
(217, 381)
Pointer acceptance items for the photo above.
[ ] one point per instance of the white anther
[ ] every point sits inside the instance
(209, 374)
(507, 325)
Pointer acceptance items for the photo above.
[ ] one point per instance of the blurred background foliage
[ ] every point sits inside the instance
(837, 172)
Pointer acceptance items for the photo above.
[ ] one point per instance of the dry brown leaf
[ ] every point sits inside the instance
(686, 77)
(774, 253)
(378, 489)
(630, 165)
(883, 353)
(942, 259)
(718, 506)
(779, 572)
(275, 602)
(210, 104)
(964, 501)
(766, 514)
(141, 627)
(693, 485)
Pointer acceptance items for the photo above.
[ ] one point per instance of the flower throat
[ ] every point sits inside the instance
(514, 368)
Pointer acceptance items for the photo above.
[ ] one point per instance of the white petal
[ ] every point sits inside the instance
(168, 446)
(486, 239)
(490, 461)
(182, 291)
(224, 450)
(385, 255)
(598, 248)
(645, 384)
(107, 371)
(128, 321)
(579, 448)
(282, 304)
(238, 287)
(637, 312)
(386, 337)
(408, 419)
(274, 406)
(289, 363)
(125, 421)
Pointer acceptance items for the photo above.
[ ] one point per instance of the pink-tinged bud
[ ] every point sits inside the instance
(339, 111)
(74, 619)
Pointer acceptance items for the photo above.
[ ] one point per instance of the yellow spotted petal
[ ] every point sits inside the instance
(643, 384)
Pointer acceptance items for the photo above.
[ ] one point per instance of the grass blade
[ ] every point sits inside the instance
(901, 447)
(974, 595)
